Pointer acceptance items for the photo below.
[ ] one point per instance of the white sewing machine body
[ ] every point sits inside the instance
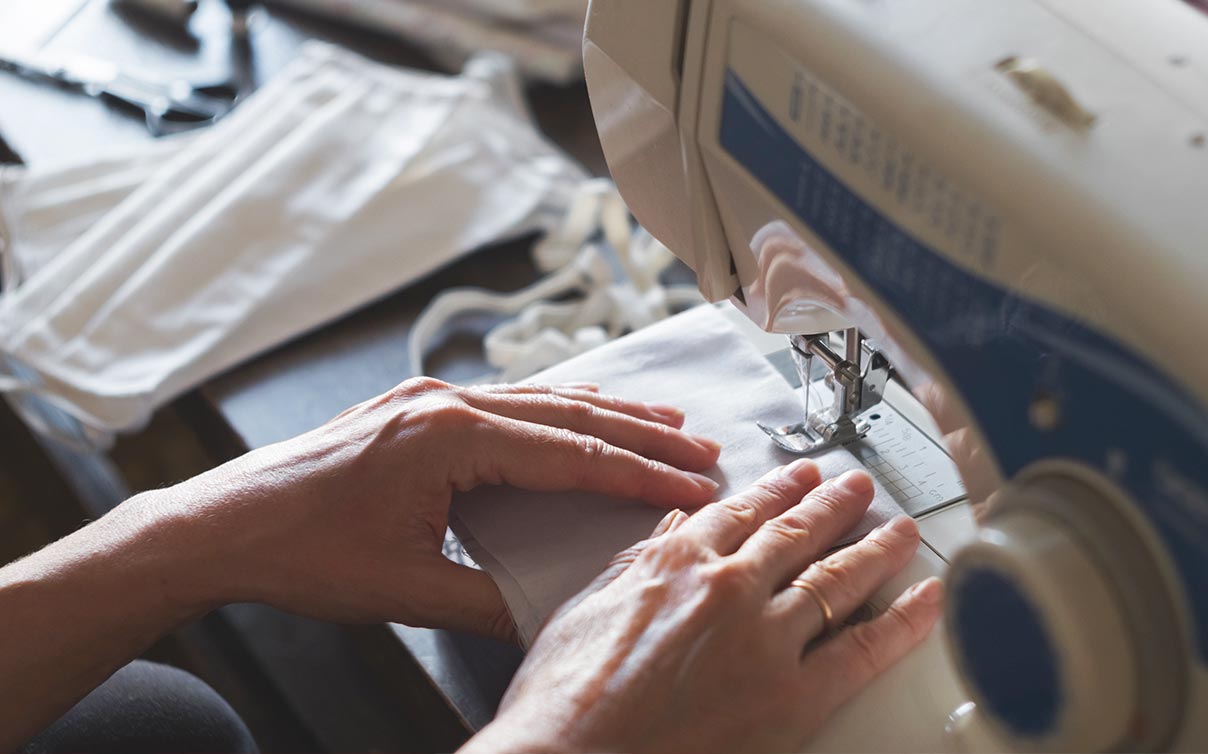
(1003, 197)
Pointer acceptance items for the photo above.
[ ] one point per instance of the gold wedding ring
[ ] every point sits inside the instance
(828, 615)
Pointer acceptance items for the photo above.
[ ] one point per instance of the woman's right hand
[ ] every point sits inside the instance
(697, 640)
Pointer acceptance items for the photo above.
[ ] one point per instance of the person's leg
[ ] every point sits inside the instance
(147, 707)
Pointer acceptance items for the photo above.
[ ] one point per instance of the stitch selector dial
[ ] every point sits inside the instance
(1063, 624)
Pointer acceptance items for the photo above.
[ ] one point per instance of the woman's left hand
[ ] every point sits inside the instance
(347, 522)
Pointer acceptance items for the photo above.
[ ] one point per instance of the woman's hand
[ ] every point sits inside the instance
(698, 640)
(346, 522)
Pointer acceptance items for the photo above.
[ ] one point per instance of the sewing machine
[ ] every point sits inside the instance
(1001, 205)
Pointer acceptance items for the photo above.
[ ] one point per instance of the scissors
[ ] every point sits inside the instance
(168, 107)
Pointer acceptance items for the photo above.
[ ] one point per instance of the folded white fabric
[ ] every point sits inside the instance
(43, 210)
(542, 548)
(337, 183)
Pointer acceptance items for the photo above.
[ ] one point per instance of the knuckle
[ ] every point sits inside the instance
(650, 436)
(769, 490)
(773, 494)
(790, 529)
(743, 513)
(612, 403)
(440, 414)
(826, 498)
(827, 571)
(675, 554)
(420, 386)
(653, 466)
(591, 449)
(728, 580)
(453, 412)
(833, 579)
(905, 621)
(581, 410)
(666, 434)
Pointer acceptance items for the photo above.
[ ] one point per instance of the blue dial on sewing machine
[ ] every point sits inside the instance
(1007, 651)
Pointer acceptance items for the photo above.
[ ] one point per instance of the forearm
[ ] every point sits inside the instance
(84, 606)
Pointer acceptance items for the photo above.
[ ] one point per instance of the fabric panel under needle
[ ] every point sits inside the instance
(542, 548)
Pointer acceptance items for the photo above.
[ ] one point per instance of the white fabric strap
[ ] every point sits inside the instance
(543, 328)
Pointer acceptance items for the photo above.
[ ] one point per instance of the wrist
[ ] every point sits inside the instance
(80, 608)
(166, 551)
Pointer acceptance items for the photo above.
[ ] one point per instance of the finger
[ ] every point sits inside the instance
(460, 598)
(646, 438)
(510, 387)
(847, 663)
(589, 386)
(725, 525)
(538, 457)
(848, 578)
(655, 412)
(786, 544)
(670, 523)
(623, 559)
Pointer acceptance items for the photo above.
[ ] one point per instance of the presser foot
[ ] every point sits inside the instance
(799, 439)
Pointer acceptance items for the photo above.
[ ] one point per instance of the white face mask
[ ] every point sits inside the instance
(340, 181)
(44, 211)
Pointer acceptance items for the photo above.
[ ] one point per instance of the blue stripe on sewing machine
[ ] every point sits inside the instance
(1001, 351)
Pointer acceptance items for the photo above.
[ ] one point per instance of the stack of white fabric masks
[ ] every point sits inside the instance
(133, 279)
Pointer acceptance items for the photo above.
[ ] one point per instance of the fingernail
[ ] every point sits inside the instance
(663, 409)
(929, 591)
(708, 443)
(903, 525)
(666, 524)
(855, 481)
(678, 517)
(705, 482)
(591, 386)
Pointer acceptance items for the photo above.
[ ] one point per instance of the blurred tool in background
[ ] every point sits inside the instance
(168, 106)
(543, 36)
(240, 12)
(177, 12)
(242, 65)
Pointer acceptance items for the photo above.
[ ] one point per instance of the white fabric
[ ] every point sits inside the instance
(583, 302)
(45, 209)
(542, 548)
(339, 182)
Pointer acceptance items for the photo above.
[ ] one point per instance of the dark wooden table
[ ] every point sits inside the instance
(376, 687)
